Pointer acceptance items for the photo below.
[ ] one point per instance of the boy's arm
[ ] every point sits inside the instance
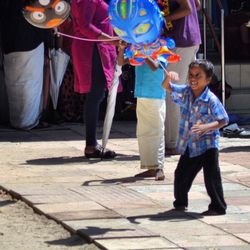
(184, 9)
(153, 65)
(220, 117)
(169, 76)
(201, 129)
(120, 57)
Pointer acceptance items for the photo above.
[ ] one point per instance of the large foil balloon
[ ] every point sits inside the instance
(46, 14)
(136, 21)
(140, 23)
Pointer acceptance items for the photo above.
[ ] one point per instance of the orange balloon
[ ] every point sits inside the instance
(174, 58)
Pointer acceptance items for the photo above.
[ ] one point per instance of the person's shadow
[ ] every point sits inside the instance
(171, 215)
(115, 181)
(87, 232)
(77, 159)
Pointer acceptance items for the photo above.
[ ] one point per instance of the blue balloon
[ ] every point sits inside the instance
(136, 21)
(170, 43)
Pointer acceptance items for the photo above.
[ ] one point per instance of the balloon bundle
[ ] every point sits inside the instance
(159, 50)
(140, 24)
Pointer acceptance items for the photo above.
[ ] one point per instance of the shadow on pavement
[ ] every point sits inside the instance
(7, 202)
(68, 160)
(111, 181)
(73, 240)
(91, 231)
(170, 215)
(236, 149)
(57, 160)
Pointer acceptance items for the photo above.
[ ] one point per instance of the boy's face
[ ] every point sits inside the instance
(197, 80)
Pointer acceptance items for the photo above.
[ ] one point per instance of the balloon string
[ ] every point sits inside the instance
(164, 68)
(86, 39)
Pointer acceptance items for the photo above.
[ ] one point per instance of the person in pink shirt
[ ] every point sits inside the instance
(94, 65)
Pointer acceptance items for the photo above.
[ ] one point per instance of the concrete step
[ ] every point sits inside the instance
(239, 101)
(237, 74)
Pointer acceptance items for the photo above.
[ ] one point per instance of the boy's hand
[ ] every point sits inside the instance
(166, 81)
(169, 76)
(122, 45)
(203, 128)
(174, 76)
(200, 128)
(121, 60)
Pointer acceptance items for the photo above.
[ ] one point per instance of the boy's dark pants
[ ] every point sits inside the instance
(186, 171)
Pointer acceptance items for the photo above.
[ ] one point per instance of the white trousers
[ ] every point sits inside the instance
(172, 110)
(24, 85)
(150, 132)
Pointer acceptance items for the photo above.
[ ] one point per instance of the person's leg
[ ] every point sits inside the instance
(94, 99)
(213, 183)
(92, 105)
(150, 135)
(185, 173)
(172, 110)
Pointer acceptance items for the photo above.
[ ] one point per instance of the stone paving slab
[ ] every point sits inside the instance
(239, 201)
(235, 228)
(220, 248)
(235, 156)
(228, 218)
(245, 237)
(15, 187)
(149, 243)
(209, 241)
(109, 229)
(237, 193)
(115, 196)
(26, 190)
(146, 212)
(40, 199)
(68, 207)
(245, 208)
(183, 225)
(84, 215)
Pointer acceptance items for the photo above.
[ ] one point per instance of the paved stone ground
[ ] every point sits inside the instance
(103, 202)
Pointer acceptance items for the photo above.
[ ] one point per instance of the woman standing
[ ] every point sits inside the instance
(94, 64)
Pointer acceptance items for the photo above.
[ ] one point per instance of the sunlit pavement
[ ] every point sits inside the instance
(103, 201)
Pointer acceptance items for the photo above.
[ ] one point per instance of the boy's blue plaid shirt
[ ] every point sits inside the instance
(204, 109)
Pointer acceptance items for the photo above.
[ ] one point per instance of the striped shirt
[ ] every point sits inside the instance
(206, 108)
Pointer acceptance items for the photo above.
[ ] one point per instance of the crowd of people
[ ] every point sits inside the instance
(183, 120)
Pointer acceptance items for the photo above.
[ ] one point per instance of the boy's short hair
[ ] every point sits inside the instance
(206, 65)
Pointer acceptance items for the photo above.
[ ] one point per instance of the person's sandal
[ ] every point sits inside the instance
(147, 173)
(100, 152)
(159, 175)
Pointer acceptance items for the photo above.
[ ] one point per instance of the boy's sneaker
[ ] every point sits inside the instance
(213, 213)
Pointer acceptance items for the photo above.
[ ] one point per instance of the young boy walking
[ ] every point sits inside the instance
(150, 111)
(202, 115)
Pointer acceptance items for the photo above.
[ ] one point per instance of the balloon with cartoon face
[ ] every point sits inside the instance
(46, 14)
(136, 21)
